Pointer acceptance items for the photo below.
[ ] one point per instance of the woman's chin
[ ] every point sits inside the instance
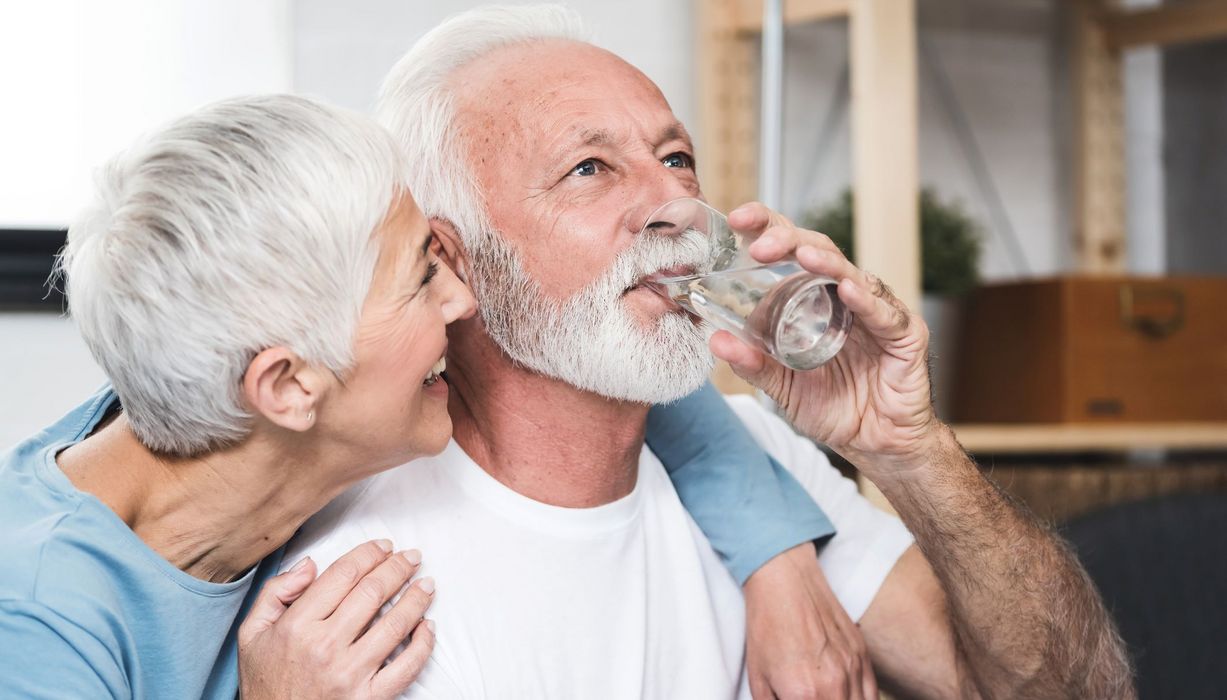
(438, 435)
(431, 426)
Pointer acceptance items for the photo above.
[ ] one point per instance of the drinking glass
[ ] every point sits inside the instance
(778, 308)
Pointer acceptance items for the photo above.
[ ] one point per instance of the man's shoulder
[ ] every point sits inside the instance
(401, 501)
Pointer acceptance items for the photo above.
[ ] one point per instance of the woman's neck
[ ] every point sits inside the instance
(215, 516)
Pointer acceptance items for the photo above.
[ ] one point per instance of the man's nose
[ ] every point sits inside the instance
(661, 190)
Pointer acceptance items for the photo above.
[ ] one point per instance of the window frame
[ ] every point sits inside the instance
(27, 259)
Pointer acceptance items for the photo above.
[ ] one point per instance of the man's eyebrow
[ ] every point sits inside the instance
(603, 137)
(597, 137)
(674, 132)
(586, 138)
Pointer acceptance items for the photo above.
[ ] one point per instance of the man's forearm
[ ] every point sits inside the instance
(1029, 623)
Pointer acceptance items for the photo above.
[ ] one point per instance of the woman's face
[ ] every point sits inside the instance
(393, 406)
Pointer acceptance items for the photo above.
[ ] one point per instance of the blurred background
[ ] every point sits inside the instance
(1045, 179)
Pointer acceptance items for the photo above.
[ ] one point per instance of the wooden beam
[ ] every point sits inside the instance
(1202, 20)
(885, 152)
(885, 142)
(750, 12)
(727, 122)
(1099, 151)
(728, 106)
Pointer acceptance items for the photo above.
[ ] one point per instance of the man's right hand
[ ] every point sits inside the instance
(871, 402)
(309, 638)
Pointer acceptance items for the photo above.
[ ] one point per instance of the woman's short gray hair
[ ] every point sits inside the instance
(416, 104)
(243, 226)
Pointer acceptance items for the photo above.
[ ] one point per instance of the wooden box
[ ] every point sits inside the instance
(1102, 349)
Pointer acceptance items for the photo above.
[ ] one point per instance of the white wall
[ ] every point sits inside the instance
(343, 50)
(47, 370)
(1195, 169)
(1145, 200)
(81, 79)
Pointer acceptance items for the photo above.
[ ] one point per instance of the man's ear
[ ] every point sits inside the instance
(450, 248)
(284, 389)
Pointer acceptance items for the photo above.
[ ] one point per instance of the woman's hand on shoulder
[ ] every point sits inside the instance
(800, 643)
(307, 637)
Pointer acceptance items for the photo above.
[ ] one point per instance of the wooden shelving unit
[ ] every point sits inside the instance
(883, 65)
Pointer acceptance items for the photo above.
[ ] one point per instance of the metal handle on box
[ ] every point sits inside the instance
(1152, 326)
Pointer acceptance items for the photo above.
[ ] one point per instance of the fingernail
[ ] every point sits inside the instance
(302, 564)
(430, 625)
(427, 584)
(412, 556)
(385, 545)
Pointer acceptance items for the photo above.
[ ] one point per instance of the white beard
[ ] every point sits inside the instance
(590, 340)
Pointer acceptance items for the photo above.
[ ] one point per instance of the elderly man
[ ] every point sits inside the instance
(566, 565)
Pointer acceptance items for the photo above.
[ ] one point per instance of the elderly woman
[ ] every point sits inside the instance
(263, 295)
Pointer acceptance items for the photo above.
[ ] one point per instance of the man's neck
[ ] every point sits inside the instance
(541, 437)
(214, 517)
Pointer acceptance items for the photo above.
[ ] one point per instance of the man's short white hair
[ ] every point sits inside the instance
(243, 226)
(416, 104)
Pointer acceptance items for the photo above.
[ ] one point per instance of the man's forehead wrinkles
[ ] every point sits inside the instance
(571, 136)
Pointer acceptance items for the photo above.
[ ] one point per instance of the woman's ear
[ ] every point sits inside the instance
(450, 249)
(284, 389)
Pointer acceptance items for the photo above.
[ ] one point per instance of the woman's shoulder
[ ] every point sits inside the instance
(55, 544)
(60, 587)
(40, 508)
(64, 550)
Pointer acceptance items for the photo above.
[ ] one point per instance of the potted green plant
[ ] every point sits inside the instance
(950, 248)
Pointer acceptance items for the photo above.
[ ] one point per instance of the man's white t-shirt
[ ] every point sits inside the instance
(625, 600)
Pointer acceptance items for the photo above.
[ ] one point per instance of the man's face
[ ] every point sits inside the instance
(573, 148)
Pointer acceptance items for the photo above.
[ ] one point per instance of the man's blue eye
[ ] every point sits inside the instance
(585, 169)
(678, 160)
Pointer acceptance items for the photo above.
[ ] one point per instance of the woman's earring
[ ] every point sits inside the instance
(311, 417)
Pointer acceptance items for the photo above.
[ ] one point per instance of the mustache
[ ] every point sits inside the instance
(650, 254)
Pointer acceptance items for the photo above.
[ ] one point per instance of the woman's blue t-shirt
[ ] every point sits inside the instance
(86, 608)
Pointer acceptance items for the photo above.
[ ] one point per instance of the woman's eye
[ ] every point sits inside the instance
(431, 270)
(587, 168)
(678, 160)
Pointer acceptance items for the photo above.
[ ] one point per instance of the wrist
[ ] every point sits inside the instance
(935, 447)
(796, 561)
